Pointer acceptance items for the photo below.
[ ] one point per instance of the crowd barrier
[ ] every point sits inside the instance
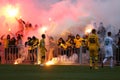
(23, 55)
(12, 53)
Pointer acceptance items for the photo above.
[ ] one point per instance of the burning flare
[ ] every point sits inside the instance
(88, 29)
(11, 11)
(9, 29)
(16, 62)
(50, 63)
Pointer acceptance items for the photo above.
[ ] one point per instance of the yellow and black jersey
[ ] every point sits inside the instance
(35, 43)
(84, 42)
(93, 40)
(68, 43)
(42, 43)
(64, 46)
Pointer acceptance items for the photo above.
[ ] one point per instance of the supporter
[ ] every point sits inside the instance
(42, 50)
(101, 31)
(13, 49)
(69, 45)
(21, 25)
(118, 53)
(35, 47)
(78, 44)
(118, 34)
(19, 40)
(0, 52)
(6, 44)
(19, 43)
(52, 46)
(62, 46)
(60, 49)
(29, 43)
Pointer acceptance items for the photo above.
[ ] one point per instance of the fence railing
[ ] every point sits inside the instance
(21, 54)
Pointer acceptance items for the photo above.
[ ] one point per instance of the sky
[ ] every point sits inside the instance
(64, 16)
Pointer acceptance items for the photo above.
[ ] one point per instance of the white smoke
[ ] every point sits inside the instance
(63, 59)
(68, 15)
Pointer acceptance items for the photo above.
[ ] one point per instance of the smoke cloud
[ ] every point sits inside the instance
(62, 16)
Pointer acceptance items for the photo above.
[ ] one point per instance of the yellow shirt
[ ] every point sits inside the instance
(42, 47)
(6, 42)
(78, 42)
(93, 40)
(64, 46)
(68, 43)
(36, 43)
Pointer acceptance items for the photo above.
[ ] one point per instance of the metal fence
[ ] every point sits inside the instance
(71, 55)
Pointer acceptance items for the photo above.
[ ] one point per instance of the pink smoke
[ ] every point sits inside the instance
(67, 16)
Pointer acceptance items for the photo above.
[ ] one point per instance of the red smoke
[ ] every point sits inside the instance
(66, 15)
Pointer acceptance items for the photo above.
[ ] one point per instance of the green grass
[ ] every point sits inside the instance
(57, 72)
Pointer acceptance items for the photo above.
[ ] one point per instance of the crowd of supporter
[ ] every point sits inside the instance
(11, 44)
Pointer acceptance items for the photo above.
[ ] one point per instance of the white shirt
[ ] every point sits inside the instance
(108, 42)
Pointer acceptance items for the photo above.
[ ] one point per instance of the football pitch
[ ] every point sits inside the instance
(57, 72)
